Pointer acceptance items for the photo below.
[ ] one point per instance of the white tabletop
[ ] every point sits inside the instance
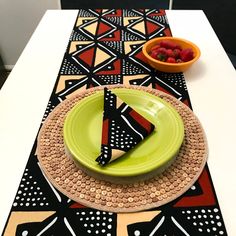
(211, 83)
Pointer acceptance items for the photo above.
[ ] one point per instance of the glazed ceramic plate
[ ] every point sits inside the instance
(83, 130)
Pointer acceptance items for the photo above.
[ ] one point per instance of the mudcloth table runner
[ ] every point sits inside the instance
(105, 48)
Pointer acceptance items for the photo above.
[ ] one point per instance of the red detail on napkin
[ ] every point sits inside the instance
(105, 132)
(142, 121)
(123, 128)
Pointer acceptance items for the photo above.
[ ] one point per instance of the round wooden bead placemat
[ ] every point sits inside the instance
(76, 184)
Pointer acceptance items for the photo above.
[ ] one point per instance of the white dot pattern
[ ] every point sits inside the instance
(116, 45)
(176, 80)
(29, 193)
(130, 69)
(49, 109)
(120, 138)
(94, 224)
(111, 79)
(206, 220)
(76, 36)
(69, 69)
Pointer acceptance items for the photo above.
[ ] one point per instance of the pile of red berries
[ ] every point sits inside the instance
(171, 52)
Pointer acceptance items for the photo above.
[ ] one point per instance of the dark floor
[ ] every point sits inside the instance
(114, 4)
(222, 17)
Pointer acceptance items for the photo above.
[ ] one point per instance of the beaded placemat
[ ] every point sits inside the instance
(104, 195)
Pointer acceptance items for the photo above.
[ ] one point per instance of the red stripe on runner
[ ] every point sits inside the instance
(77, 205)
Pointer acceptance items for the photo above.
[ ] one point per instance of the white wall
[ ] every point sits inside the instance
(18, 20)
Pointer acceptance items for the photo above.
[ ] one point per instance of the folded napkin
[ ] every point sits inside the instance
(123, 128)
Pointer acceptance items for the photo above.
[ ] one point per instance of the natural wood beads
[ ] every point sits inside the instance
(104, 195)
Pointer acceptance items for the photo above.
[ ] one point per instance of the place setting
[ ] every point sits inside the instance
(122, 148)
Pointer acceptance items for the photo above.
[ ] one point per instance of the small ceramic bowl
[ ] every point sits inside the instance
(170, 67)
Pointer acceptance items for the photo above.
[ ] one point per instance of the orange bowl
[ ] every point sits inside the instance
(170, 67)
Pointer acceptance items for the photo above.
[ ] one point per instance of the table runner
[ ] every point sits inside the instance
(105, 48)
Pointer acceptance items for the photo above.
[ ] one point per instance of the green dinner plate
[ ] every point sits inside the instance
(83, 129)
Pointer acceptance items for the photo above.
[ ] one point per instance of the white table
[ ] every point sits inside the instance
(211, 83)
